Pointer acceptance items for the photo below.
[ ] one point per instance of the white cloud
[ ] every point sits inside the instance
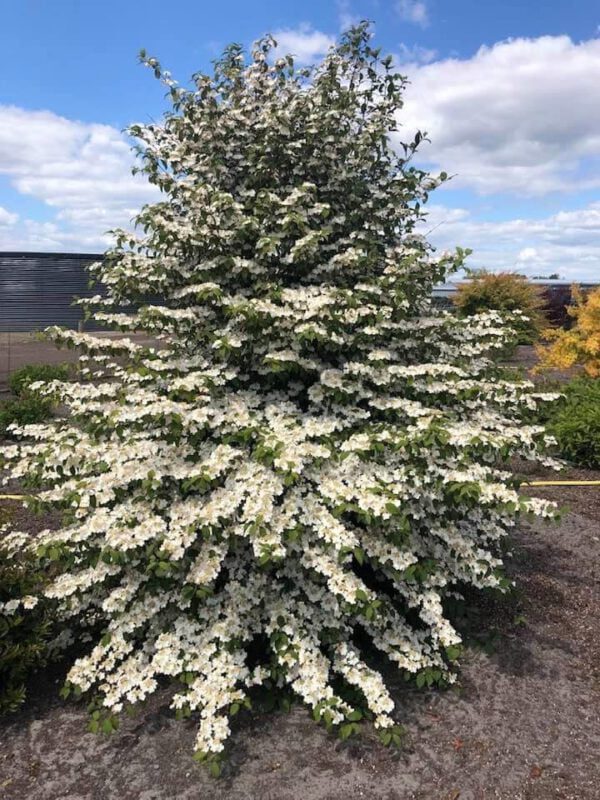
(7, 218)
(414, 54)
(303, 42)
(81, 170)
(346, 18)
(521, 116)
(413, 11)
(567, 242)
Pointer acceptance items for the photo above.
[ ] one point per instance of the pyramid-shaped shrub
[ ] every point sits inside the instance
(285, 481)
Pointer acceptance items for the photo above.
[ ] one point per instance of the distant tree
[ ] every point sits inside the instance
(506, 292)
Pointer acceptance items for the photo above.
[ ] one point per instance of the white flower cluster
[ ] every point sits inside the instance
(308, 455)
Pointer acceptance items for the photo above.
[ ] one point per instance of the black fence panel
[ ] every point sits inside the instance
(37, 289)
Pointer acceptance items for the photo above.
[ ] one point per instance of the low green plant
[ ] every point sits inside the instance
(25, 632)
(28, 407)
(22, 378)
(26, 410)
(575, 423)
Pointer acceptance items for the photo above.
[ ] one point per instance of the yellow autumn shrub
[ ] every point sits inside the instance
(579, 346)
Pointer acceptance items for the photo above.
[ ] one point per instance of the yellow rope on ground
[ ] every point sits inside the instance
(561, 483)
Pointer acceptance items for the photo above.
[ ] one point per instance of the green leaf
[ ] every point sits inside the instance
(107, 726)
(214, 768)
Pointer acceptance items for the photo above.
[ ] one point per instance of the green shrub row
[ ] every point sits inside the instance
(21, 379)
(575, 422)
(25, 632)
(27, 408)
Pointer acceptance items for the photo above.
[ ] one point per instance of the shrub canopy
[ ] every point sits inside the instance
(304, 467)
(505, 292)
(580, 345)
(575, 422)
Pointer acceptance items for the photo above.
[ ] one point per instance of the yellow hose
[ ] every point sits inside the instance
(561, 483)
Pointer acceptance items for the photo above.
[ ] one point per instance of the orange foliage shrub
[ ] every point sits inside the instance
(581, 344)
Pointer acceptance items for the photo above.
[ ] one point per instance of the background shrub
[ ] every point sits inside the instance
(21, 379)
(25, 632)
(579, 346)
(23, 411)
(504, 291)
(575, 423)
(28, 408)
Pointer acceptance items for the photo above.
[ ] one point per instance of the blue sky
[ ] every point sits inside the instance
(509, 92)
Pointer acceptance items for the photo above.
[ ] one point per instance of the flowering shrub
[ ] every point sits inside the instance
(581, 344)
(504, 291)
(306, 463)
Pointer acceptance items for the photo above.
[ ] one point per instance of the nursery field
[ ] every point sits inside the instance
(522, 724)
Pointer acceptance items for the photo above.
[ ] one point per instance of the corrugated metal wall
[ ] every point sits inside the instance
(36, 289)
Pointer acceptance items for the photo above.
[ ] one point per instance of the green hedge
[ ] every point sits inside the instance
(27, 408)
(575, 422)
(20, 379)
(23, 411)
(24, 633)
